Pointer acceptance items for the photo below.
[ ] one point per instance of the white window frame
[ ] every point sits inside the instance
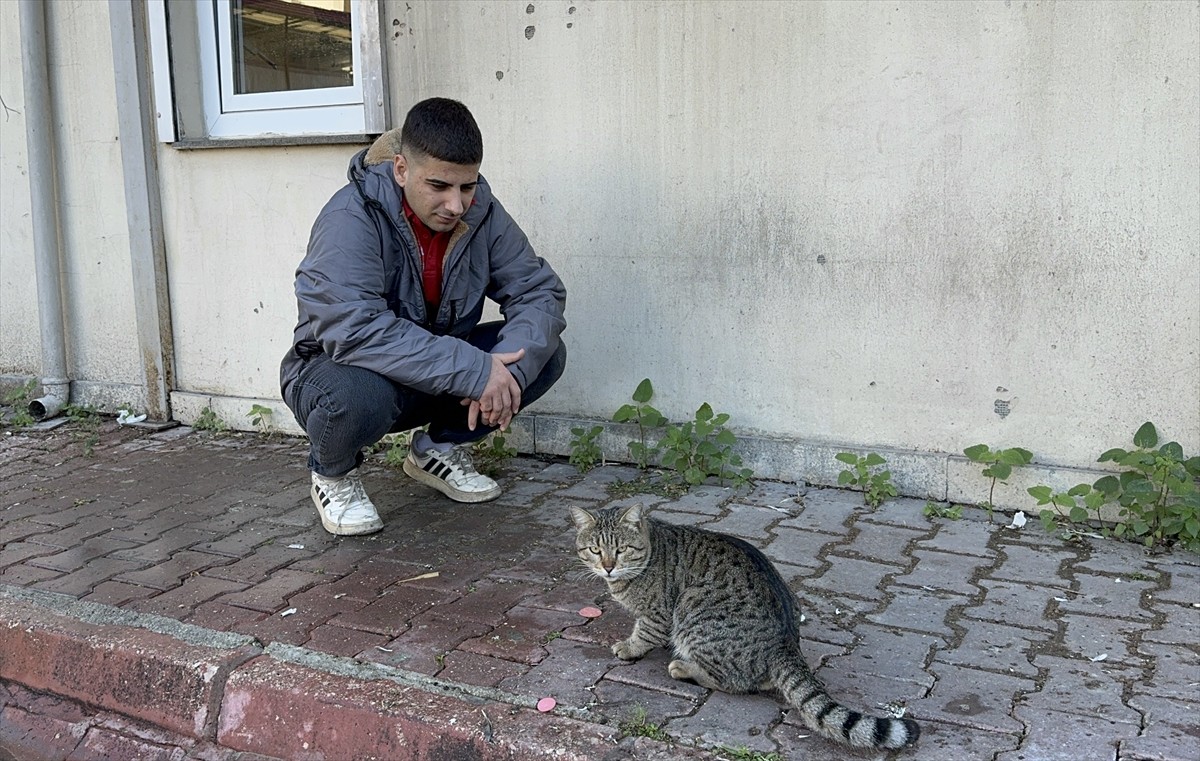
(359, 109)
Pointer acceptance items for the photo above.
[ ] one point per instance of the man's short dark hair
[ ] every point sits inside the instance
(443, 129)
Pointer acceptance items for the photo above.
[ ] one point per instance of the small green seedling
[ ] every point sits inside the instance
(1000, 464)
(585, 451)
(1157, 494)
(646, 417)
(703, 447)
(260, 418)
(876, 486)
(492, 452)
(950, 512)
(208, 420)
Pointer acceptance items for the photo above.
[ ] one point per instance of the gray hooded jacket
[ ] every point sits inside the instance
(361, 302)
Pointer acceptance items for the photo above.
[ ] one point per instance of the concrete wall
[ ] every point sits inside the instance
(910, 225)
(102, 349)
(907, 226)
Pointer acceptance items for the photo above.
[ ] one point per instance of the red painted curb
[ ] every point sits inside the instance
(293, 711)
(209, 686)
(135, 672)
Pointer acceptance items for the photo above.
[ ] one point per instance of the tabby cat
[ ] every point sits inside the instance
(724, 610)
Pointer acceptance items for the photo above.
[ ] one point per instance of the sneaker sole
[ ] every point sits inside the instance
(342, 529)
(457, 495)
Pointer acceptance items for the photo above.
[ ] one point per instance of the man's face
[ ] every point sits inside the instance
(438, 191)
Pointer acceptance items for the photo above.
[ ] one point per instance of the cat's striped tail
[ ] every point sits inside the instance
(827, 718)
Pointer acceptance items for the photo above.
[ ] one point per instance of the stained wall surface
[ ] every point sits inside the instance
(912, 225)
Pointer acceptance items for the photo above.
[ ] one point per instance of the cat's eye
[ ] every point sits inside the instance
(594, 550)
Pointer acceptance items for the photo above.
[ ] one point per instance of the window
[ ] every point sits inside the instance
(269, 68)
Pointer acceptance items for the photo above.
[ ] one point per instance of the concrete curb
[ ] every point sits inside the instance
(280, 701)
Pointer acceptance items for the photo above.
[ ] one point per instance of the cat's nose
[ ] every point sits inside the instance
(609, 565)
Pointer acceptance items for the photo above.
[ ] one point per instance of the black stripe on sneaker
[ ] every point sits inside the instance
(437, 468)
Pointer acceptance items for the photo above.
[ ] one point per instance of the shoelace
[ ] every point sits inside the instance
(349, 489)
(459, 458)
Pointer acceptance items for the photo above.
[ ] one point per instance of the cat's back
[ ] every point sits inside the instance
(727, 569)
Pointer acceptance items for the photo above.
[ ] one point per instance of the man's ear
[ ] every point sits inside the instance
(400, 169)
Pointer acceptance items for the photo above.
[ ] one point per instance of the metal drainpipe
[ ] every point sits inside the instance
(43, 177)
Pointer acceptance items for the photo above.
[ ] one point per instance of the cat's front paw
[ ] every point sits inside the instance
(627, 651)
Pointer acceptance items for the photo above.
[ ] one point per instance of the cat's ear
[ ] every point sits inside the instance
(583, 519)
(633, 515)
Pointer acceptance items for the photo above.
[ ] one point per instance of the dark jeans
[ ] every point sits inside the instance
(344, 408)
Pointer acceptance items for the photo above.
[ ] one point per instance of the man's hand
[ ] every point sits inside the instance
(501, 397)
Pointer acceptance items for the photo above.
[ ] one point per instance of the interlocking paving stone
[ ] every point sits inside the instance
(31, 736)
(255, 566)
(667, 515)
(1179, 627)
(83, 580)
(1083, 687)
(243, 540)
(1117, 558)
(623, 703)
(27, 575)
(747, 521)
(172, 573)
(118, 593)
(702, 499)
(74, 558)
(565, 674)
(1175, 670)
(428, 639)
(1012, 603)
(1170, 729)
(179, 601)
(827, 510)
(889, 653)
(901, 511)
(488, 600)
(1005, 649)
(772, 493)
(856, 578)
(1021, 563)
(799, 547)
(650, 672)
(523, 634)
(222, 617)
(166, 546)
(965, 536)
(1056, 736)
(1097, 636)
(390, 613)
(922, 610)
(732, 721)
(74, 533)
(23, 529)
(1108, 596)
(883, 590)
(337, 640)
(1183, 583)
(272, 594)
(481, 670)
(944, 571)
(971, 698)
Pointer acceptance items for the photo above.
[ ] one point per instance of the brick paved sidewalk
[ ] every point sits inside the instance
(173, 595)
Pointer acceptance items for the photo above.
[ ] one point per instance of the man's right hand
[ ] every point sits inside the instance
(501, 397)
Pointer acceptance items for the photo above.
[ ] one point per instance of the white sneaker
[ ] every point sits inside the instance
(452, 473)
(344, 506)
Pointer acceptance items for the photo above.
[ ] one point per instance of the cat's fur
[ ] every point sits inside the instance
(725, 611)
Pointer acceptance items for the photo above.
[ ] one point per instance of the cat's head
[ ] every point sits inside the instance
(613, 543)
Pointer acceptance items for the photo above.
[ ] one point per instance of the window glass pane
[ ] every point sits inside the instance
(291, 45)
